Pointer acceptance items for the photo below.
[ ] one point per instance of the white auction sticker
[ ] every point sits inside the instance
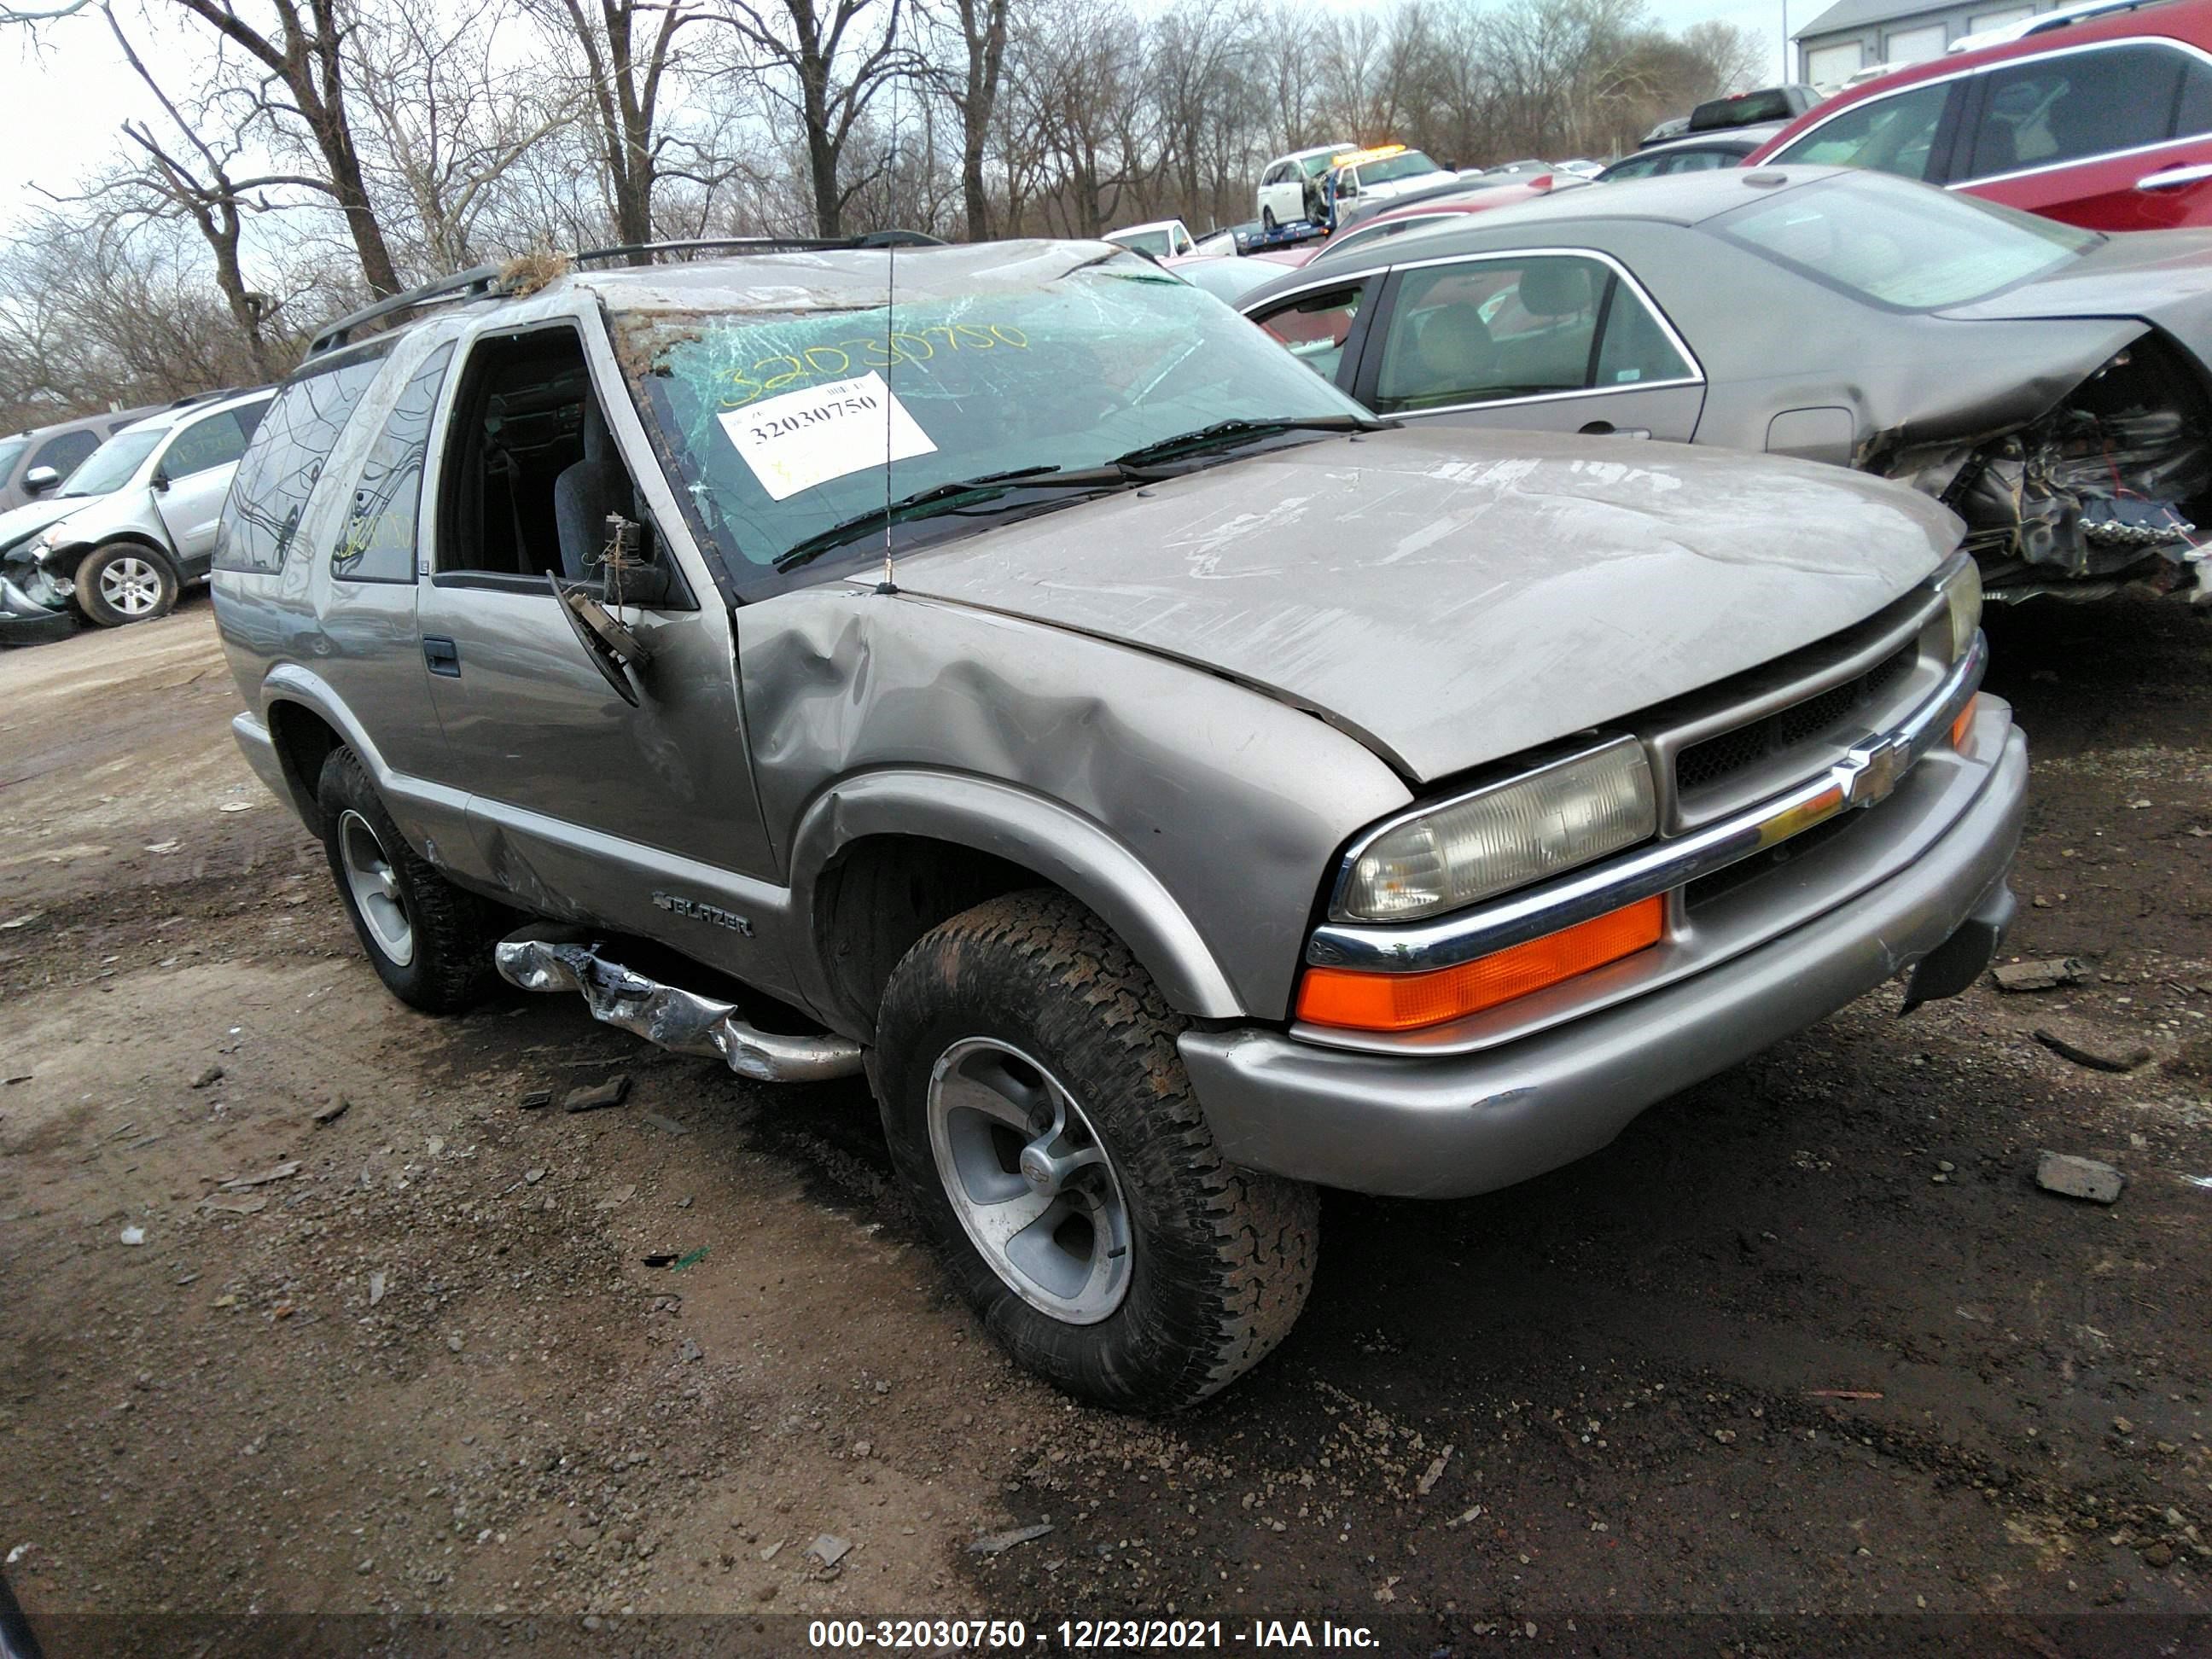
(802, 439)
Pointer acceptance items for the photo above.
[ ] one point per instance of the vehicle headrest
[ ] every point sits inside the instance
(1555, 287)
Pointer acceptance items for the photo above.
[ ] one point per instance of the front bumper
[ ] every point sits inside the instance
(24, 620)
(1448, 1125)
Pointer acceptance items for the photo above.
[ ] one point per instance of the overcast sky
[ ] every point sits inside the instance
(61, 104)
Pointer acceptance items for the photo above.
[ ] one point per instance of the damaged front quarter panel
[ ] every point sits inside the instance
(1196, 817)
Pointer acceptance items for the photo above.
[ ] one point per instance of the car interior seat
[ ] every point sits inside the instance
(1452, 355)
(584, 492)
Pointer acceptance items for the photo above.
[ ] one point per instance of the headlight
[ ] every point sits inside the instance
(1959, 582)
(1505, 836)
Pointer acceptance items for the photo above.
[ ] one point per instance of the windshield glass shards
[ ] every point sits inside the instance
(783, 431)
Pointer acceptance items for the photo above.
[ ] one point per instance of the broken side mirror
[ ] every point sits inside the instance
(628, 574)
(615, 652)
(40, 479)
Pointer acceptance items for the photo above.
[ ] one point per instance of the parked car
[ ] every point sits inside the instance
(2051, 385)
(2103, 121)
(1438, 210)
(1291, 185)
(1161, 239)
(1231, 277)
(1694, 155)
(961, 680)
(2037, 23)
(146, 524)
(1746, 109)
(34, 464)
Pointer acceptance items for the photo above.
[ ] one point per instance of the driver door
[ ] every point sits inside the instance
(581, 804)
(193, 477)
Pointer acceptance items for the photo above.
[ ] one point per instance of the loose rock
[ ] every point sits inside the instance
(829, 1549)
(998, 1543)
(2079, 1177)
(213, 1074)
(598, 1095)
(337, 1109)
(2044, 976)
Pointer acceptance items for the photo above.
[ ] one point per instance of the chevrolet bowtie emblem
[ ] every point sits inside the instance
(1868, 774)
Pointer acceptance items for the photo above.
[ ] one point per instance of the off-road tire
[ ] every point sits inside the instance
(95, 604)
(1223, 1257)
(453, 931)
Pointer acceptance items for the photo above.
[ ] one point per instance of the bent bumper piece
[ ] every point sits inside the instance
(24, 620)
(1449, 1126)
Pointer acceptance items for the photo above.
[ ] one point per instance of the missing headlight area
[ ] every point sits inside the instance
(2111, 487)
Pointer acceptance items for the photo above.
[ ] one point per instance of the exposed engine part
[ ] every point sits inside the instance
(2111, 483)
(538, 958)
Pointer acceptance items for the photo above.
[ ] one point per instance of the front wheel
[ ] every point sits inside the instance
(429, 942)
(1267, 219)
(1043, 1127)
(123, 582)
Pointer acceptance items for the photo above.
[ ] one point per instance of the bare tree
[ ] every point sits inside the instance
(825, 65)
(971, 85)
(628, 51)
(302, 48)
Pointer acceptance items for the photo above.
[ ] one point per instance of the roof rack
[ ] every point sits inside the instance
(874, 239)
(485, 279)
(480, 280)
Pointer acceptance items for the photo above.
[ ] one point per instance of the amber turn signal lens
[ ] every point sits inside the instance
(1362, 1001)
(1965, 723)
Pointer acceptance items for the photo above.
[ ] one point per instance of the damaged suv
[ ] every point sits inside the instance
(1001, 670)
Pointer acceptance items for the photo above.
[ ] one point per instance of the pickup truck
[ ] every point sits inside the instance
(1003, 671)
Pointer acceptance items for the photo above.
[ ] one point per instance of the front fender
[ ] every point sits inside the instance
(1061, 846)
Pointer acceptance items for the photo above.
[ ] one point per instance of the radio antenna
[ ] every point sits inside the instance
(890, 583)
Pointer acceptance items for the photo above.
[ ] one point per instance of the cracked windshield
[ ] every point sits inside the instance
(779, 424)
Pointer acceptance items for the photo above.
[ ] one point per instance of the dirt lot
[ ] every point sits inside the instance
(1807, 1339)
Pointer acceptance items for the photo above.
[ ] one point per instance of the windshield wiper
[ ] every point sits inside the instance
(1237, 431)
(938, 497)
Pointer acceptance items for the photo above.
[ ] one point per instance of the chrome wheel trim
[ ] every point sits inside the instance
(375, 889)
(131, 586)
(1034, 1189)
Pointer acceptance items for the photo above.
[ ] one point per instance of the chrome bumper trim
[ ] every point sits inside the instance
(1869, 770)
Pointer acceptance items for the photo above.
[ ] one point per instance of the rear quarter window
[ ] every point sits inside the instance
(280, 465)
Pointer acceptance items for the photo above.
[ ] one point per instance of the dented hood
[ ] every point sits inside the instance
(1449, 599)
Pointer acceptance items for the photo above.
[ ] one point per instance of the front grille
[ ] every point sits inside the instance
(1720, 757)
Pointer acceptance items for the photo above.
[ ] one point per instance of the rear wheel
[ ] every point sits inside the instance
(429, 942)
(124, 582)
(1267, 218)
(1045, 1131)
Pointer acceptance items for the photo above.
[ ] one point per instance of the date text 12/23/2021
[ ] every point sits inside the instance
(1083, 1635)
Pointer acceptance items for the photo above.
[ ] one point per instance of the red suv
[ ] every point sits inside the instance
(2104, 122)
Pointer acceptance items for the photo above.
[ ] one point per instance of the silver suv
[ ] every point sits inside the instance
(1003, 670)
(137, 520)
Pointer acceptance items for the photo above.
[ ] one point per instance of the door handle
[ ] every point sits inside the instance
(443, 656)
(2176, 177)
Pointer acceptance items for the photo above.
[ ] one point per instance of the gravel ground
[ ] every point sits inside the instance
(1806, 1340)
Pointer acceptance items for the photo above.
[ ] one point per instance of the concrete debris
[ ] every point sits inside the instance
(2044, 976)
(612, 1092)
(376, 1281)
(213, 1074)
(254, 1206)
(2096, 1059)
(999, 1543)
(617, 1196)
(769, 1554)
(2079, 1177)
(531, 1177)
(134, 1234)
(339, 1108)
(829, 1549)
(687, 1350)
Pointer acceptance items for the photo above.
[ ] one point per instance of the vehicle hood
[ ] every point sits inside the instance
(2161, 276)
(1450, 598)
(34, 516)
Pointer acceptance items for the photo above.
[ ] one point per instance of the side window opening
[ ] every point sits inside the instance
(1492, 328)
(67, 452)
(215, 441)
(2077, 106)
(378, 542)
(1315, 327)
(532, 472)
(1895, 134)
